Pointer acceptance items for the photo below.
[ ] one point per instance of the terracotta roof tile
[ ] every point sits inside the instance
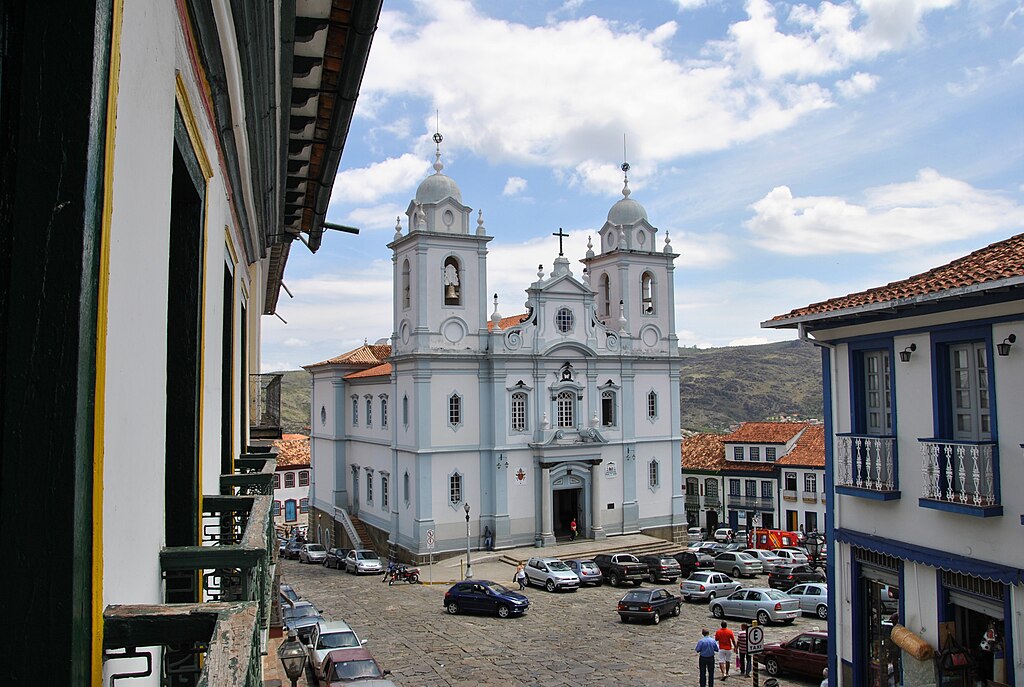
(764, 433)
(367, 354)
(378, 371)
(507, 322)
(703, 452)
(1002, 260)
(292, 453)
(809, 449)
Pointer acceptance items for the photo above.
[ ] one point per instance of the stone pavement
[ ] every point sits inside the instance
(572, 638)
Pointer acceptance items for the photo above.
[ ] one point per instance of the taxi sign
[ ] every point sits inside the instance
(755, 640)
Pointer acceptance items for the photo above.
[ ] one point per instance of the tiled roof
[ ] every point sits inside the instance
(764, 433)
(292, 452)
(507, 322)
(703, 452)
(809, 449)
(367, 354)
(378, 371)
(998, 261)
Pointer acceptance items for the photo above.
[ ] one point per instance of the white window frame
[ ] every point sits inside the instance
(565, 320)
(369, 410)
(609, 405)
(565, 409)
(737, 453)
(648, 306)
(652, 405)
(456, 489)
(810, 482)
(384, 484)
(355, 410)
(455, 410)
(406, 285)
(769, 454)
(369, 486)
(519, 411)
(755, 454)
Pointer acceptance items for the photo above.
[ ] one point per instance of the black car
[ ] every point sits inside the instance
(336, 558)
(302, 617)
(661, 568)
(288, 595)
(291, 550)
(692, 561)
(648, 604)
(788, 577)
(484, 596)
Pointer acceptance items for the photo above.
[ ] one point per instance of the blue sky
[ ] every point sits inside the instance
(793, 152)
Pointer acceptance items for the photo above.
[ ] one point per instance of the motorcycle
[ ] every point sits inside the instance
(402, 573)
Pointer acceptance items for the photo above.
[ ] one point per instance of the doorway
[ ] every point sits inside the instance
(711, 518)
(566, 505)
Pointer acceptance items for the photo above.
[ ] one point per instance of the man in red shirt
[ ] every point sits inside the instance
(726, 641)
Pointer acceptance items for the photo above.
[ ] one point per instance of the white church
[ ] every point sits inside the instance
(522, 424)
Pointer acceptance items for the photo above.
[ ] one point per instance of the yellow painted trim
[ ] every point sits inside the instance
(100, 391)
(187, 114)
(231, 248)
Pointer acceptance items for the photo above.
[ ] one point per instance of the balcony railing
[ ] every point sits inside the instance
(693, 499)
(866, 462)
(265, 406)
(959, 472)
(810, 497)
(712, 501)
(751, 502)
(253, 476)
(789, 495)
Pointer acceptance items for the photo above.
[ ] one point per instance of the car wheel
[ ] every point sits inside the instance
(656, 618)
(736, 572)
(822, 612)
(391, 580)
(686, 598)
(613, 580)
(503, 611)
(711, 596)
(549, 585)
(677, 610)
(624, 619)
(453, 608)
(763, 618)
(414, 579)
(717, 611)
(771, 666)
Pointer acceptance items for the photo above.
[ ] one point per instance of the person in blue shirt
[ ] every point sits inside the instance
(706, 650)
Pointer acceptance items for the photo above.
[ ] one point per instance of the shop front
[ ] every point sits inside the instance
(973, 629)
(876, 608)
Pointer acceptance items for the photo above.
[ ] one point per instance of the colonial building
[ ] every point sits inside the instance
(923, 389)
(159, 158)
(519, 425)
(291, 483)
(802, 502)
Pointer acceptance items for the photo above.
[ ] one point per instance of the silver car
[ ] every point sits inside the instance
(327, 636)
(812, 597)
(738, 563)
(769, 561)
(363, 561)
(587, 571)
(312, 553)
(552, 574)
(707, 585)
(792, 556)
(758, 603)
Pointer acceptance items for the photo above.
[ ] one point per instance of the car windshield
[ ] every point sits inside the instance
(668, 561)
(637, 596)
(700, 577)
(355, 670)
(314, 547)
(301, 612)
(776, 595)
(367, 556)
(745, 557)
(337, 640)
(557, 565)
(498, 589)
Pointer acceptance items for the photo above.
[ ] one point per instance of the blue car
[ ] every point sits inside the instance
(483, 596)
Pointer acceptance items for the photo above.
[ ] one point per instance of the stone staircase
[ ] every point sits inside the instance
(361, 530)
(610, 545)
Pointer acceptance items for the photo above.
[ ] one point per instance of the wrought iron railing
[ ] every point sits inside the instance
(253, 476)
(866, 462)
(265, 403)
(712, 501)
(751, 502)
(693, 499)
(960, 472)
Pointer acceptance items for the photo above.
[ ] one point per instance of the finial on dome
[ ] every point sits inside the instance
(437, 151)
(398, 227)
(590, 247)
(668, 243)
(586, 275)
(540, 271)
(495, 316)
(480, 231)
(625, 169)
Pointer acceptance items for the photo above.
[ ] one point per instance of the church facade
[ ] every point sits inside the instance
(519, 424)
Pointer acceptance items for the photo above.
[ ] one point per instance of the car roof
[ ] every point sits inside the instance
(334, 626)
(547, 560)
(356, 653)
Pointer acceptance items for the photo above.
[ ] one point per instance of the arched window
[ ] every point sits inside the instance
(383, 410)
(519, 411)
(605, 295)
(303, 478)
(289, 480)
(384, 492)
(405, 410)
(711, 487)
(455, 489)
(607, 408)
(653, 477)
(369, 410)
(565, 405)
(355, 411)
(652, 405)
(405, 487)
(452, 281)
(647, 293)
(454, 410)
(406, 292)
(692, 486)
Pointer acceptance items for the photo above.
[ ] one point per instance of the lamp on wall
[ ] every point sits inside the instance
(907, 352)
(1004, 348)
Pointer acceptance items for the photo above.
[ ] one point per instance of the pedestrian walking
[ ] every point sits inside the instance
(743, 657)
(572, 526)
(706, 650)
(488, 539)
(726, 641)
(520, 576)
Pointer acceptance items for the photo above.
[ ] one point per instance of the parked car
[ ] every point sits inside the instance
(769, 561)
(552, 574)
(712, 548)
(723, 534)
(697, 545)
(292, 548)
(586, 570)
(312, 553)
(736, 546)
(335, 558)
(792, 575)
(738, 563)
(695, 533)
(363, 561)
(813, 598)
(327, 636)
(621, 567)
(791, 555)
(648, 604)
(348, 666)
(708, 585)
(757, 603)
(288, 595)
(484, 596)
(739, 537)
(302, 617)
(691, 561)
(281, 544)
(661, 568)
(806, 654)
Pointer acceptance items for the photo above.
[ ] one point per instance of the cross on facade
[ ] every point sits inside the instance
(561, 235)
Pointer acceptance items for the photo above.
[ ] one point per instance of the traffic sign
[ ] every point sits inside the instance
(755, 640)
(430, 540)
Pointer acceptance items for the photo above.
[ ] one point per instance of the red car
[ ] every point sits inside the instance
(806, 654)
(343, 666)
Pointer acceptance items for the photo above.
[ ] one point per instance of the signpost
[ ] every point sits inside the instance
(430, 549)
(755, 645)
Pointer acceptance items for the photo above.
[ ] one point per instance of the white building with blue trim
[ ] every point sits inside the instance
(924, 390)
(569, 412)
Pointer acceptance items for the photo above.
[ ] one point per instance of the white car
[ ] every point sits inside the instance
(769, 561)
(813, 598)
(327, 636)
(723, 534)
(694, 534)
(312, 553)
(363, 561)
(791, 556)
(552, 574)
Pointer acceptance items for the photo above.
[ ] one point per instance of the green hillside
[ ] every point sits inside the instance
(720, 386)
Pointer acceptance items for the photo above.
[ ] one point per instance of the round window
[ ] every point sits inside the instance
(448, 218)
(564, 320)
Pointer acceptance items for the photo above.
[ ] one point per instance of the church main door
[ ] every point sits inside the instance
(568, 504)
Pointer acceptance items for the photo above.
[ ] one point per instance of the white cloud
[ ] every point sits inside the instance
(930, 210)
(690, 4)
(971, 80)
(749, 341)
(857, 85)
(514, 186)
(704, 251)
(294, 342)
(370, 184)
(378, 217)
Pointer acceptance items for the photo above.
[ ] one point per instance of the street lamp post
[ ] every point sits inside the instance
(815, 543)
(293, 657)
(469, 565)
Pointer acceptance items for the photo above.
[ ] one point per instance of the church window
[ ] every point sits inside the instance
(289, 480)
(384, 410)
(303, 478)
(647, 293)
(369, 486)
(519, 411)
(652, 474)
(455, 489)
(564, 320)
(406, 292)
(405, 487)
(369, 410)
(605, 295)
(384, 492)
(452, 286)
(454, 410)
(565, 404)
(652, 405)
(608, 408)
(355, 411)
(405, 410)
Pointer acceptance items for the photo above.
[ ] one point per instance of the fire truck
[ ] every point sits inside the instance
(772, 539)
